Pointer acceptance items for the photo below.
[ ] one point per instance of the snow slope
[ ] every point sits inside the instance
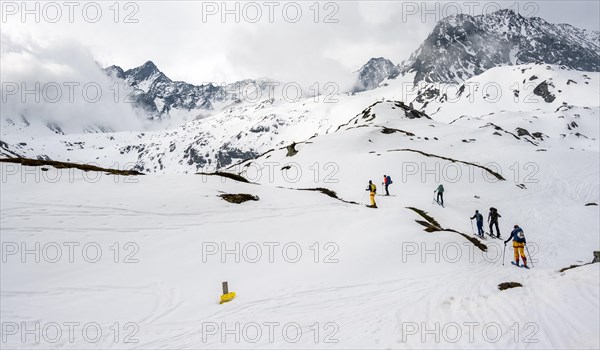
(527, 88)
(377, 274)
(312, 271)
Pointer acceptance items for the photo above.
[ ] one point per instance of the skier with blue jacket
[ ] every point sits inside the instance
(440, 194)
(479, 219)
(518, 237)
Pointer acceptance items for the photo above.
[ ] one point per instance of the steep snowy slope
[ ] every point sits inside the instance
(523, 88)
(471, 157)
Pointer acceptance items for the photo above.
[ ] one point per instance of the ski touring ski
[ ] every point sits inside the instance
(491, 235)
(521, 266)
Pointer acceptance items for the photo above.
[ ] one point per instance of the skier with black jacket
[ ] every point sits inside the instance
(493, 220)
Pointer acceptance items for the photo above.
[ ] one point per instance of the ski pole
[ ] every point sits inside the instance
(472, 229)
(530, 259)
(363, 197)
(503, 251)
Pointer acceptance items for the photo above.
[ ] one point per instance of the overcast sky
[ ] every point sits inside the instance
(188, 40)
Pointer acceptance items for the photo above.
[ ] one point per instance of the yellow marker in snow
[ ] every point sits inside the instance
(227, 296)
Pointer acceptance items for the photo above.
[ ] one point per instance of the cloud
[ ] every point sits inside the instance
(60, 82)
(186, 47)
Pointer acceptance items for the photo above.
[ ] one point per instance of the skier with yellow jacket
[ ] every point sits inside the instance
(372, 191)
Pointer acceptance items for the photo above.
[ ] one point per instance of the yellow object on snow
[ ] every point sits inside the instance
(227, 297)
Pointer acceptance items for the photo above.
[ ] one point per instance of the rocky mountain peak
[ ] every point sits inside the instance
(148, 72)
(462, 46)
(373, 73)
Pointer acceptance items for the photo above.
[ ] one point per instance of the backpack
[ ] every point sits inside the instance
(494, 214)
(389, 180)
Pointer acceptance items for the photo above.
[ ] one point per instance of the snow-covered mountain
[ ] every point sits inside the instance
(141, 99)
(462, 46)
(232, 129)
(373, 73)
(552, 93)
(151, 91)
(236, 133)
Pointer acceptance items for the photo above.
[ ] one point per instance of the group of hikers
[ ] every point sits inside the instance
(492, 221)
(517, 235)
(387, 181)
